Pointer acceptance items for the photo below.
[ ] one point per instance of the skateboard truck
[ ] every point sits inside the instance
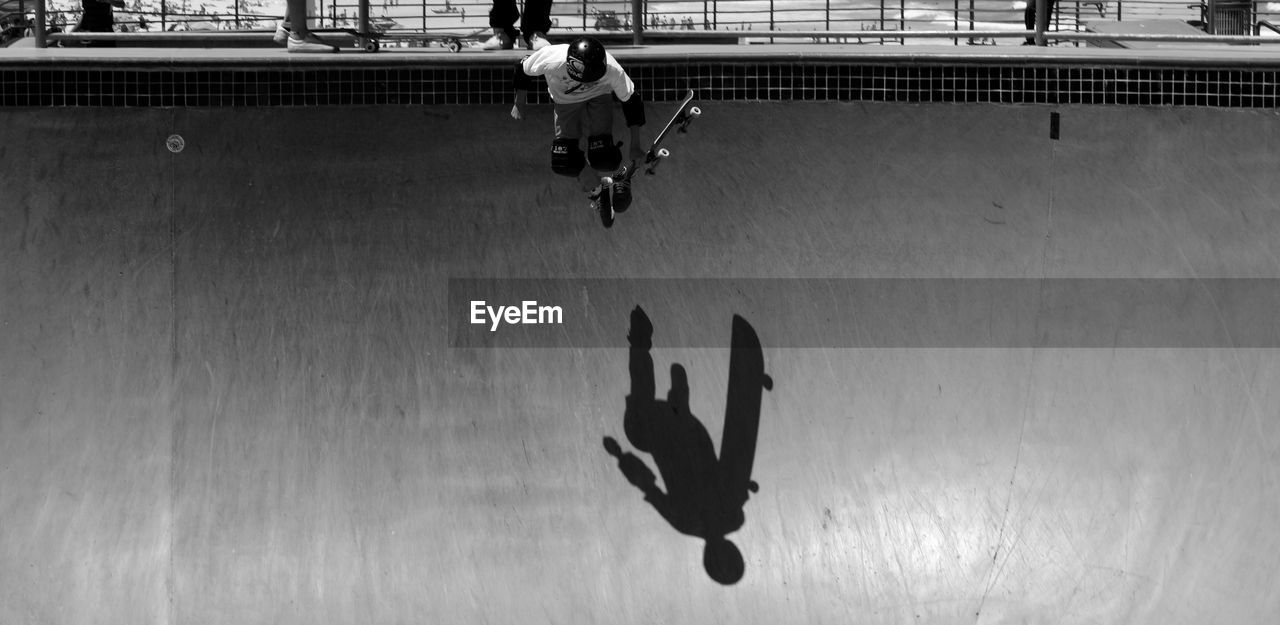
(694, 113)
(652, 159)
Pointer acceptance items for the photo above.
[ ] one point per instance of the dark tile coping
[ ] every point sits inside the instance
(407, 79)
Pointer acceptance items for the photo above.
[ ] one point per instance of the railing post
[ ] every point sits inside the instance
(637, 22)
(39, 25)
(1078, 22)
(1042, 22)
(955, 23)
(902, 20)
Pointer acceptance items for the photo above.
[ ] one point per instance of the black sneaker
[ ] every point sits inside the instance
(602, 203)
(622, 191)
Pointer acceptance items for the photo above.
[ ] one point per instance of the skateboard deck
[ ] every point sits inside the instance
(370, 41)
(684, 115)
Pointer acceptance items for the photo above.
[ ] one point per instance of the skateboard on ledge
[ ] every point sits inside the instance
(370, 41)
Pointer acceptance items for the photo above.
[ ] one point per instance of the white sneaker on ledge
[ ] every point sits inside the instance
(311, 44)
(282, 32)
(499, 41)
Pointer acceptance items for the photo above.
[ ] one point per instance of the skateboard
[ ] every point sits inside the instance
(602, 201)
(369, 41)
(684, 115)
(452, 41)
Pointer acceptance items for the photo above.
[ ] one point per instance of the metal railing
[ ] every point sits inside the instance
(954, 22)
(971, 22)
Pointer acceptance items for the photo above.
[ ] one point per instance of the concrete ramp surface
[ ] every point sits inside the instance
(800, 381)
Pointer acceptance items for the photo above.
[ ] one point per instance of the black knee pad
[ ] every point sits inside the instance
(567, 158)
(603, 153)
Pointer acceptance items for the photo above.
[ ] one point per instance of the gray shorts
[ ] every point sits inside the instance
(584, 119)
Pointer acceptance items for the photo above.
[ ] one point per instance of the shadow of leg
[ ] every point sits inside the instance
(643, 387)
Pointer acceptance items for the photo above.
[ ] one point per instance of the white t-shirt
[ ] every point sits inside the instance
(549, 63)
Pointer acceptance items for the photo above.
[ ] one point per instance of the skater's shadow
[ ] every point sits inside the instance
(704, 494)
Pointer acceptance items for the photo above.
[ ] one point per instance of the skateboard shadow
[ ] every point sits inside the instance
(705, 494)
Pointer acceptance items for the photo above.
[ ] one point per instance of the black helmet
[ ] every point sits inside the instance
(586, 60)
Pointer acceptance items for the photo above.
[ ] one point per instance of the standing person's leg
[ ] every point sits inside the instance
(91, 18)
(96, 17)
(536, 23)
(282, 29)
(296, 13)
(1029, 20)
(109, 25)
(1029, 17)
(502, 17)
(301, 39)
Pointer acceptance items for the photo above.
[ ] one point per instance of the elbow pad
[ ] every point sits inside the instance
(520, 80)
(633, 110)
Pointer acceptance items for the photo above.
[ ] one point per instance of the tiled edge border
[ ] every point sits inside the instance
(817, 80)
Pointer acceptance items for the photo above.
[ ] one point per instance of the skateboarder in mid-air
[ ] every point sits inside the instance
(583, 79)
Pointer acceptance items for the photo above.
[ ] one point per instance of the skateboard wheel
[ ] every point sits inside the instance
(371, 46)
(657, 159)
(454, 45)
(695, 112)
